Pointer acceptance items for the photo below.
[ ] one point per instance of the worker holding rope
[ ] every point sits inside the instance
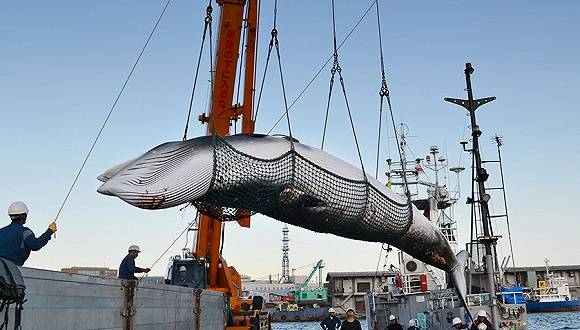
(127, 268)
(17, 241)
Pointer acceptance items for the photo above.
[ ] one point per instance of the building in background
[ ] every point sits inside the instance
(91, 271)
(347, 289)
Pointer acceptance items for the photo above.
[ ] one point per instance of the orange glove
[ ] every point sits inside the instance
(52, 227)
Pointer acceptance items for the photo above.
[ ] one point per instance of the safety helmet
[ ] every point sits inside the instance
(134, 248)
(482, 313)
(17, 207)
(331, 310)
(182, 269)
(392, 317)
(456, 321)
(412, 323)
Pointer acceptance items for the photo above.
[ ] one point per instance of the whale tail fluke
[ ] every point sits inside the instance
(458, 277)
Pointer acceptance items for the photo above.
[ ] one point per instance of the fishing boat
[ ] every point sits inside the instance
(423, 294)
(551, 295)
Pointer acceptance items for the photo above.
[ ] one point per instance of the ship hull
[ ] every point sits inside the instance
(63, 301)
(553, 306)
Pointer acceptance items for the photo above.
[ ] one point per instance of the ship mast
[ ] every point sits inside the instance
(488, 240)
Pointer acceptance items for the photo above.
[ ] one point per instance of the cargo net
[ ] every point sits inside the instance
(294, 190)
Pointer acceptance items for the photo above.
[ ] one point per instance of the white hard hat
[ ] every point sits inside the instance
(17, 207)
(182, 269)
(392, 317)
(482, 313)
(331, 310)
(412, 323)
(134, 248)
(456, 321)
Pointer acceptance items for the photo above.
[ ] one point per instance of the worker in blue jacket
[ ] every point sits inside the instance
(16, 241)
(127, 268)
(331, 322)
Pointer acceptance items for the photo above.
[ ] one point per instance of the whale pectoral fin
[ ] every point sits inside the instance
(458, 277)
(300, 199)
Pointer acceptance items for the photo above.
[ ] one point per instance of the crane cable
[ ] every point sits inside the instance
(274, 43)
(384, 90)
(111, 110)
(208, 24)
(337, 69)
(355, 26)
(186, 229)
(241, 66)
(384, 93)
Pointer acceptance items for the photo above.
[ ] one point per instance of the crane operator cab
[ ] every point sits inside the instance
(187, 272)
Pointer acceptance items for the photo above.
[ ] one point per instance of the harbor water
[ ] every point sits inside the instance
(538, 321)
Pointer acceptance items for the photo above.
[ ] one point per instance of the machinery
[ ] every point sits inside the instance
(303, 296)
(206, 267)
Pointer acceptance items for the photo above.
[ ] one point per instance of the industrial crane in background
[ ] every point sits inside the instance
(303, 296)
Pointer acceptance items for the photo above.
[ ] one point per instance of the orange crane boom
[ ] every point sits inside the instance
(221, 114)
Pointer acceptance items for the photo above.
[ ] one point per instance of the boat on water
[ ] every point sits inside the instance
(551, 295)
(424, 294)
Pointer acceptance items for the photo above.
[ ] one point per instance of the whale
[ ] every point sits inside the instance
(231, 177)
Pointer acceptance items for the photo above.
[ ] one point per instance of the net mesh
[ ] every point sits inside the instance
(294, 190)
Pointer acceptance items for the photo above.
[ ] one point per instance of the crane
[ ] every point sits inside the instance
(222, 112)
(304, 296)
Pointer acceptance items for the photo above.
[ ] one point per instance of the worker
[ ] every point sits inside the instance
(458, 324)
(16, 241)
(127, 268)
(393, 324)
(183, 280)
(351, 323)
(481, 322)
(331, 322)
(413, 325)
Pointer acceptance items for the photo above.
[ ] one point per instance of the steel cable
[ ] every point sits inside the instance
(112, 109)
(208, 21)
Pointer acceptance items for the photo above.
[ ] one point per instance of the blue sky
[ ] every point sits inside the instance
(62, 63)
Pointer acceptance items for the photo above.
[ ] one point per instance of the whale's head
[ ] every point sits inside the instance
(157, 179)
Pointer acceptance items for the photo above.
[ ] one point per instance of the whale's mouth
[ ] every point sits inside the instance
(104, 189)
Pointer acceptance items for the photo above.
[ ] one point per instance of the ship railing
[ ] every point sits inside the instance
(514, 295)
(442, 299)
(411, 284)
(478, 299)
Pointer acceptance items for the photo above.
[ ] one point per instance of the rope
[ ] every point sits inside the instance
(383, 90)
(385, 93)
(112, 109)
(323, 65)
(208, 21)
(189, 225)
(337, 69)
(274, 43)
